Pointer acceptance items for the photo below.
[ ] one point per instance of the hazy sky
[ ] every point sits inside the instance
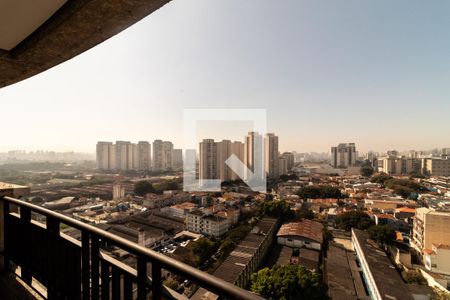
(376, 73)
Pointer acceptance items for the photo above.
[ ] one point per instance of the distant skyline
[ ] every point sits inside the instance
(375, 73)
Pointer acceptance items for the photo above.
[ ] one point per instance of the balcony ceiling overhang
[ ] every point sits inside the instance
(37, 36)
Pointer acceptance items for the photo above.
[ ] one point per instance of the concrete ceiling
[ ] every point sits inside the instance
(34, 40)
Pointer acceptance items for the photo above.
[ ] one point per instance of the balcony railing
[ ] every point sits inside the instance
(70, 269)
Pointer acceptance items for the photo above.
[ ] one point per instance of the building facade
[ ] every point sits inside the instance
(344, 155)
(271, 154)
(430, 227)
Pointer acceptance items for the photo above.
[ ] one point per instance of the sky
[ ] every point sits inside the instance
(376, 73)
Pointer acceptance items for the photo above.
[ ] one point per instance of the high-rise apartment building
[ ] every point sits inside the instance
(253, 154)
(167, 155)
(282, 165)
(105, 155)
(436, 166)
(213, 156)
(399, 165)
(177, 159)
(289, 156)
(123, 160)
(271, 159)
(208, 160)
(343, 156)
(144, 156)
(237, 148)
(158, 155)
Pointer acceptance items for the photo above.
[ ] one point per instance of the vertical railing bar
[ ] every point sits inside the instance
(25, 218)
(142, 278)
(5, 233)
(127, 287)
(95, 252)
(115, 283)
(105, 280)
(156, 281)
(53, 261)
(85, 264)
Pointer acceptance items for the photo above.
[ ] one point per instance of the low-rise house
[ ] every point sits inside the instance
(306, 233)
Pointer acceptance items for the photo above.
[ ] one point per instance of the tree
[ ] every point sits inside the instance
(383, 234)
(143, 187)
(305, 213)
(288, 282)
(354, 219)
(380, 178)
(366, 171)
(203, 248)
(277, 209)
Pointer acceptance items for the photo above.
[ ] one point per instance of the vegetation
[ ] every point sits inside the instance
(414, 277)
(366, 171)
(203, 249)
(288, 282)
(305, 213)
(440, 295)
(354, 219)
(232, 239)
(143, 187)
(380, 178)
(404, 187)
(277, 209)
(383, 234)
(172, 283)
(320, 191)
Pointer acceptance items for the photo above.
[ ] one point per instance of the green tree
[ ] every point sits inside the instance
(383, 234)
(380, 178)
(305, 213)
(366, 171)
(277, 209)
(404, 187)
(143, 187)
(203, 249)
(354, 219)
(288, 282)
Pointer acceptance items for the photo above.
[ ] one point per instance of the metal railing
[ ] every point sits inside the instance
(71, 269)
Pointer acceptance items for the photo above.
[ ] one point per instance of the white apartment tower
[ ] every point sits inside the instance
(167, 155)
(343, 156)
(208, 160)
(105, 155)
(271, 161)
(158, 155)
(144, 156)
(123, 160)
(177, 158)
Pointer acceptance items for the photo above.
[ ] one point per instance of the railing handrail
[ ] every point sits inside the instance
(204, 279)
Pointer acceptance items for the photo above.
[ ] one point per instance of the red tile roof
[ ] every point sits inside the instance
(306, 228)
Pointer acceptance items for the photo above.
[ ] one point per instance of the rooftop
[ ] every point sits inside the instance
(385, 275)
(305, 228)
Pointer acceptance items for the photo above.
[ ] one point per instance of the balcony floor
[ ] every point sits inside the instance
(11, 289)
